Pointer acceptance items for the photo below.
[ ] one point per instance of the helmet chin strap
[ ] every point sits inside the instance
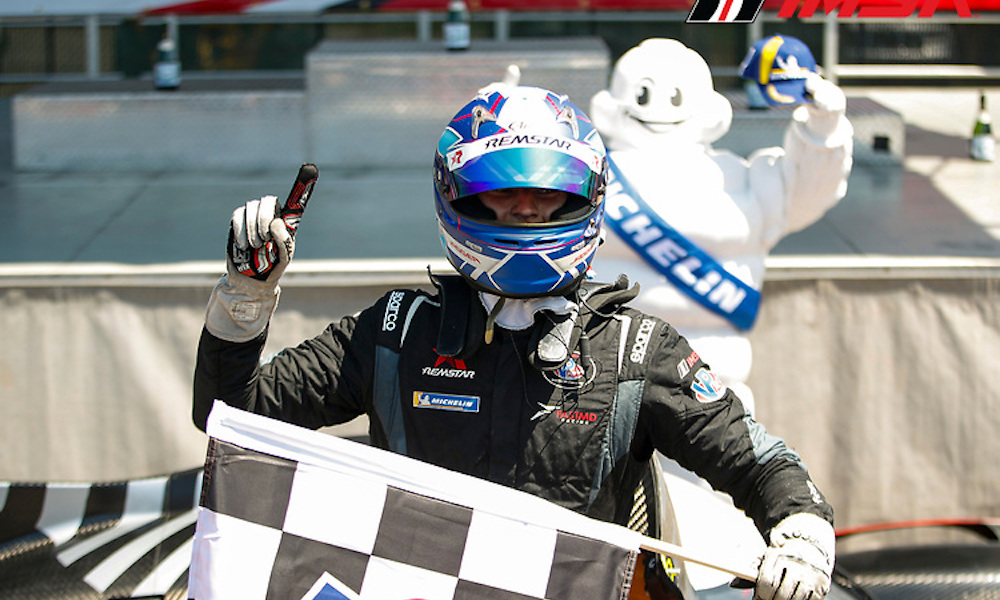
(491, 319)
(518, 314)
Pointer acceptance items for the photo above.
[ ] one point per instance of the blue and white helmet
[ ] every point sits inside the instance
(520, 137)
(780, 65)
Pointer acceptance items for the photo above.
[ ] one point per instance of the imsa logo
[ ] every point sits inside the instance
(746, 11)
(724, 11)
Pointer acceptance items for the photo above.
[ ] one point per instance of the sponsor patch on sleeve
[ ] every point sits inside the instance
(707, 387)
(684, 367)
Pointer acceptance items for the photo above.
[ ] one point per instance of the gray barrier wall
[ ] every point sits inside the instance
(385, 104)
(360, 105)
(881, 375)
(888, 387)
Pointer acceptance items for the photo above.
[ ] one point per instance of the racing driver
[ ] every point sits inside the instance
(517, 369)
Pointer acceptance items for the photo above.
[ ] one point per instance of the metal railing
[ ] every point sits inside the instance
(92, 58)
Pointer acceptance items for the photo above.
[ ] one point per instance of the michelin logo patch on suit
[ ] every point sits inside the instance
(719, 214)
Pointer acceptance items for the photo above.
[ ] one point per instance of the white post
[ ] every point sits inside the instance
(173, 30)
(92, 39)
(755, 31)
(501, 27)
(831, 48)
(424, 26)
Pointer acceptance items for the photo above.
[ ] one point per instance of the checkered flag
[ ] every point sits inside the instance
(293, 513)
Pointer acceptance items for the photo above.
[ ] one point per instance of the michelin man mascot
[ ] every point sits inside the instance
(692, 224)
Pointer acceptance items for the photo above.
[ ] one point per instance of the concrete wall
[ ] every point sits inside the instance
(360, 105)
(887, 387)
(385, 104)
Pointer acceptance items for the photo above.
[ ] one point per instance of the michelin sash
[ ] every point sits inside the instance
(678, 259)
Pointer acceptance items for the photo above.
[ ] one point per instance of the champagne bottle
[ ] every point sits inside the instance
(983, 146)
(167, 70)
(456, 28)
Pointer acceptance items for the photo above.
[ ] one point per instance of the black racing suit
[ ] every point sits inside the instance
(580, 435)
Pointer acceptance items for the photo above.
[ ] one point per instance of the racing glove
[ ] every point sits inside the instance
(260, 248)
(798, 563)
(823, 116)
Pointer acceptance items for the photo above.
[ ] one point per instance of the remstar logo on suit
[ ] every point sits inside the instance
(449, 366)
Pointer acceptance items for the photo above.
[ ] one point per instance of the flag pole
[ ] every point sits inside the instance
(675, 551)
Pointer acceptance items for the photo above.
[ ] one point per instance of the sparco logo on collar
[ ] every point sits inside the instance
(642, 338)
(392, 311)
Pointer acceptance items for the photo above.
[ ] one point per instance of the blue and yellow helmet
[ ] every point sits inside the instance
(520, 137)
(779, 65)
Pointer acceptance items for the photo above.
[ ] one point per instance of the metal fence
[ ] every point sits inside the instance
(44, 49)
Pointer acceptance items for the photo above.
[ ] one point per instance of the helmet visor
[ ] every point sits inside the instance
(564, 164)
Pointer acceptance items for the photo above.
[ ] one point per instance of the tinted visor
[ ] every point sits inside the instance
(522, 167)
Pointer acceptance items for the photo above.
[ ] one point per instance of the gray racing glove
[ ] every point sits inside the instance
(798, 563)
(261, 246)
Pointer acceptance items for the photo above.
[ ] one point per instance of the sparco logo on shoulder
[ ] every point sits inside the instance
(642, 338)
(392, 311)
